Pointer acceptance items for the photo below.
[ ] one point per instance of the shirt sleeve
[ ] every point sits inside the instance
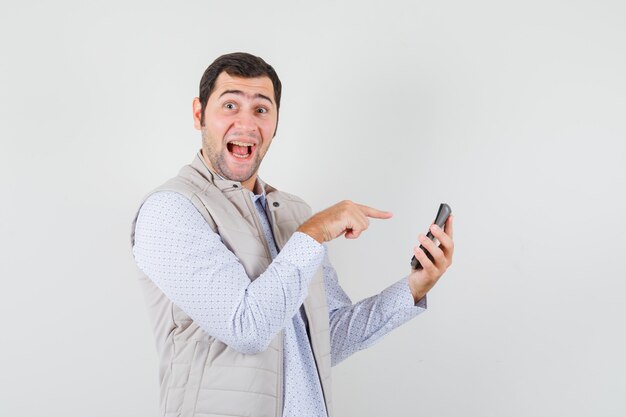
(357, 326)
(178, 251)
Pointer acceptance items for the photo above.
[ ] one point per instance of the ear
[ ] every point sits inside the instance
(197, 113)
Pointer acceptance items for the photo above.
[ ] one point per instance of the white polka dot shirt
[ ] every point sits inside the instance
(177, 249)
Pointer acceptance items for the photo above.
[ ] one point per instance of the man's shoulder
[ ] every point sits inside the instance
(168, 207)
(175, 193)
(187, 183)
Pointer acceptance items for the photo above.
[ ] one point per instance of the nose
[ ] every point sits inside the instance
(245, 122)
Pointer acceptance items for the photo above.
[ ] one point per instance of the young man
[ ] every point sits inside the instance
(248, 312)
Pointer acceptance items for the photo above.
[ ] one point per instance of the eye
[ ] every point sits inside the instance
(230, 106)
(261, 110)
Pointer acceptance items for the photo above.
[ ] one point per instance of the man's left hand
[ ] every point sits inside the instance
(422, 280)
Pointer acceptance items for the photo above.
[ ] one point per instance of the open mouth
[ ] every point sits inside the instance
(241, 150)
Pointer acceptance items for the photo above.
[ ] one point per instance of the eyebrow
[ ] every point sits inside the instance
(241, 93)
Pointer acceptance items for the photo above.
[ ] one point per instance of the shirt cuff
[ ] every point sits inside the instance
(303, 251)
(397, 300)
(404, 295)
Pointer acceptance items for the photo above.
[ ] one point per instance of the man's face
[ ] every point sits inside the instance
(239, 123)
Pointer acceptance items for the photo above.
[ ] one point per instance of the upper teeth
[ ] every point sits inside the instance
(234, 142)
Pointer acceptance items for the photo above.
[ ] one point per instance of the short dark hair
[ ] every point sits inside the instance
(237, 64)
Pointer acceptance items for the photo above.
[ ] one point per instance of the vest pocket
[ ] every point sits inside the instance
(196, 371)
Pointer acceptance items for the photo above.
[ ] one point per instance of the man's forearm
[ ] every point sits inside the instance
(356, 326)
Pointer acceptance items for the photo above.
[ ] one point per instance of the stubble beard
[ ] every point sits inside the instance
(219, 164)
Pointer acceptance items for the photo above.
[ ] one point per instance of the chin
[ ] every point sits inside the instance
(235, 175)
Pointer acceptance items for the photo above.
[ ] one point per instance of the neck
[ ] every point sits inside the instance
(248, 184)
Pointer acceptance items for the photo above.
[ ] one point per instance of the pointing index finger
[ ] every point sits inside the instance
(374, 213)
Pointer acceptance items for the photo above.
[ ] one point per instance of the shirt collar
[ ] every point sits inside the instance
(256, 196)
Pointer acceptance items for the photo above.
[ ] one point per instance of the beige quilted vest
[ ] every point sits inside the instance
(201, 376)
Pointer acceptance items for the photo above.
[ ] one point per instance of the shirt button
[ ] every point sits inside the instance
(276, 204)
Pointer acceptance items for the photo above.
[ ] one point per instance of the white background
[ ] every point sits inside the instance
(511, 112)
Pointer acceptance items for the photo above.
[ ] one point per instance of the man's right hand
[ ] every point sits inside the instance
(344, 218)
